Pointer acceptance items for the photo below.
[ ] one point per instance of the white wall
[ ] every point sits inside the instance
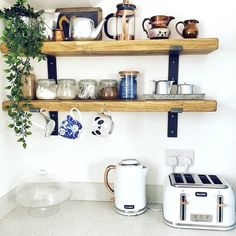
(143, 135)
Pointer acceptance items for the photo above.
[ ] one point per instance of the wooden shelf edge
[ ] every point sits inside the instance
(124, 106)
(129, 47)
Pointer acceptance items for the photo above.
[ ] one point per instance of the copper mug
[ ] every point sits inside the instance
(190, 29)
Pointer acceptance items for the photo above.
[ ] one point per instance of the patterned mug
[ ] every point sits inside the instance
(71, 127)
(103, 124)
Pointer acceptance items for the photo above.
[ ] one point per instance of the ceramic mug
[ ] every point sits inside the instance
(71, 127)
(103, 124)
(43, 122)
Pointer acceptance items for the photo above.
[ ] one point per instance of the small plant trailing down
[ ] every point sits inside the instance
(23, 36)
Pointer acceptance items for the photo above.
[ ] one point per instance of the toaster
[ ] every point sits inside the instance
(198, 201)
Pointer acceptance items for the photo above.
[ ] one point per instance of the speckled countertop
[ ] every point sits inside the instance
(78, 218)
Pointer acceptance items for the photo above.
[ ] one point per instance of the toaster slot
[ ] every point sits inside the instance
(204, 179)
(215, 179)
(220, 206)
(189, 178)
(183, 206)
(178, 178)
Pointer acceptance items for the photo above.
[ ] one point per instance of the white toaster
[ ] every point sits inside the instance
(198, 201)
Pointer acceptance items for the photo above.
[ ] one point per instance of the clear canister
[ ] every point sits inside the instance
(87, 89)
(108, 89)
(28, 86)
(128, 85)
(66, 89)
(46, 89)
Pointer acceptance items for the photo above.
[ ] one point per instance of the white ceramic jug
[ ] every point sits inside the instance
(129, 186)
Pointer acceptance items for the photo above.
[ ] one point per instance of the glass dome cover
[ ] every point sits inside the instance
(42, 193)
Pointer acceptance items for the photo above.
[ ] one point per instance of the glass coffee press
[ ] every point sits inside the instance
(125, 22)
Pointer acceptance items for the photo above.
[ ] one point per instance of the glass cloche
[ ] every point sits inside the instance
(42, 193)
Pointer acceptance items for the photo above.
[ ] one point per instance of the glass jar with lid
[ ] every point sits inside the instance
(87, 89)
(108, 89)
(66, 89)
(128, 85)
(46, 89)
(28, 86)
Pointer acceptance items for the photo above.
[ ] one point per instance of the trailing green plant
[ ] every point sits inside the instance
(23, 36)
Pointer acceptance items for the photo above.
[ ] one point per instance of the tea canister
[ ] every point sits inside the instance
(87, 89)
(108, 89)
(66, 89)
(128, 85)
(46, 89)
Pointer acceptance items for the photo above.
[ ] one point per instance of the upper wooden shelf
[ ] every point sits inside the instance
(132, 47)
(125, 106)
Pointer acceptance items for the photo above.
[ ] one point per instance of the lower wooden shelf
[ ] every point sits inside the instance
(125, 106)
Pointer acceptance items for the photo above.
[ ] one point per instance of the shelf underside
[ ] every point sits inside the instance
(131, 47)
(125, 106)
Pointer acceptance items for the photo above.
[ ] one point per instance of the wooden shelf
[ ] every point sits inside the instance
(125, 106)
(132, 47)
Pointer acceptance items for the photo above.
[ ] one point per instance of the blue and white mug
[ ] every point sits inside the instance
(71, 127)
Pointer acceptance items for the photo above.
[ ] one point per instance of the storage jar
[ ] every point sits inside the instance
(28, 86)
(46, 89)
(66, 89)
(87, 89)
(108, 89)
(128, 85)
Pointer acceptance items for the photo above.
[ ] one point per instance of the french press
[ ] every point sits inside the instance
(125, 22)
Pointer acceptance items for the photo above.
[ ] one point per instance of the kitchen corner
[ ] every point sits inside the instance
(93, 218)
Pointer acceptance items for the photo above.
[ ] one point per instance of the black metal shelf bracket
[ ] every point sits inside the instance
(52, 74)
(173, 73)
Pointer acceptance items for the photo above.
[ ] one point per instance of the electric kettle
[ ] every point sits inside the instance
(129, 186)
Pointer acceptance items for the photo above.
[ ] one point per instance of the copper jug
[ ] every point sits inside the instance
(190, 29)
(159, 27)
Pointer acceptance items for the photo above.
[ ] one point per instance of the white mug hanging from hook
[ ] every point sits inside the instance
(44, 122)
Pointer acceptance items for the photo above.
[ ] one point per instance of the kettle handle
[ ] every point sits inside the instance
(108, 17)
(63, 18)
(107, 185)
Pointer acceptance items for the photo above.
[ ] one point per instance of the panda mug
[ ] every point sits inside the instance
(103, 124)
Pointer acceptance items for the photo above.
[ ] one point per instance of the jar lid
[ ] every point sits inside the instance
(128, 72)
(129, 162)
(88, 81)
(46, 81)
(108, 82)
(66, 81)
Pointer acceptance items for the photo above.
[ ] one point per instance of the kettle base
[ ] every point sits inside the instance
(130, 212)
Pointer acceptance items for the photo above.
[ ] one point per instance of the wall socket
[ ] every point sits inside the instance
(179, 156)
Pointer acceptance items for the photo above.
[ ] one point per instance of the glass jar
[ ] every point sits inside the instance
(66, 89)
(108, 89)
(128, 85)
(28, 86)
(87, 89)
(46, 89)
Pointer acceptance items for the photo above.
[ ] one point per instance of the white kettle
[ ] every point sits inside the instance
(129, 186)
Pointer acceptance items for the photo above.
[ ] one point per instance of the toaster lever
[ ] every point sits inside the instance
(183, 203)
(220, 206)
